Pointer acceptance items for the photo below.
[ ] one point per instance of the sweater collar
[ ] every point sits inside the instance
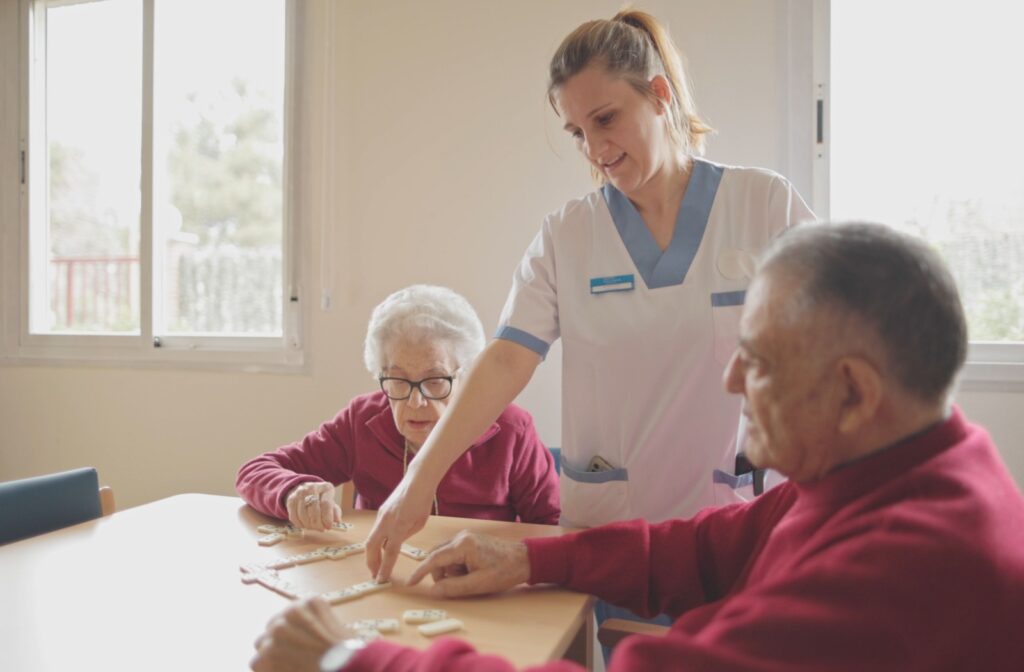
(382, 425)
(853, 480)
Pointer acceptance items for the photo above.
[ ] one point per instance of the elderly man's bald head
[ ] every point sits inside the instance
(850, 339)
(868, 286)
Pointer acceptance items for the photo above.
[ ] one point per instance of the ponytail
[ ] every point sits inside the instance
(684, 108)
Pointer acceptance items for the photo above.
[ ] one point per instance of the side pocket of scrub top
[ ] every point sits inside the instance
(730, 489)
(726, 308)
(591, 498)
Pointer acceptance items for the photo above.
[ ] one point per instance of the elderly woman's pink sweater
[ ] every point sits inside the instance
(507, 474)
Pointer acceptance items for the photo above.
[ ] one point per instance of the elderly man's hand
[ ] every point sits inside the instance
(296, 639)
(474, 564)
(311, 506)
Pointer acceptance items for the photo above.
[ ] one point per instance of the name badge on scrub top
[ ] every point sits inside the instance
(612, 283)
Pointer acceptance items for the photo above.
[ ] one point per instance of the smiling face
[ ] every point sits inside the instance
(622, 132)
(792, 398)
(415, 360)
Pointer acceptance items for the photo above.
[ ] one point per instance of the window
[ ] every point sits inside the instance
(923, 134)
(155, 153)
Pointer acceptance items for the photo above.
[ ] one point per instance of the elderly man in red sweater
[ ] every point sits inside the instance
(895, 544)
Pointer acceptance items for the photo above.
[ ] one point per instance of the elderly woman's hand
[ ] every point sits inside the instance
(311, 506)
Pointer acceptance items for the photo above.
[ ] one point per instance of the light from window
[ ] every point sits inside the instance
(93, 134)
(216, 177)
(218, 143)
(926, 135)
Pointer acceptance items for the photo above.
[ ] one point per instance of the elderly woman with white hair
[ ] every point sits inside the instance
(419, 340)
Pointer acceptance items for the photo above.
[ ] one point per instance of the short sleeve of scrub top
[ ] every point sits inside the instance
(533, 300)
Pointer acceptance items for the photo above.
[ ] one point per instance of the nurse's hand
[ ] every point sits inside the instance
(403, 514)
(474, 564)
(311, 506)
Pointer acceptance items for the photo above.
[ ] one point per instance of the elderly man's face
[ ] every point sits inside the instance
(785, 377)
(416, 416)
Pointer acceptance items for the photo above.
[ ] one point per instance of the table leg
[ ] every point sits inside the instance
(584, 649)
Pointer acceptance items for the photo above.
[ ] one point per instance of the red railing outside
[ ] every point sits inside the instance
(223, 290)
(94, 293)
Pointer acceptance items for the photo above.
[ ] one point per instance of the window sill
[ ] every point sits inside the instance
(980, 376)
(994, 367)
(194, 358)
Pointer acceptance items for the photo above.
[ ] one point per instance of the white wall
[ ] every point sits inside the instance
(442, 159)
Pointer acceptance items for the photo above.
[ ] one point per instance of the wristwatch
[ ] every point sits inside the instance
(337, 657)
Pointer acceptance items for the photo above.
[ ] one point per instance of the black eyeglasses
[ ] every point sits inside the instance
(399, 389)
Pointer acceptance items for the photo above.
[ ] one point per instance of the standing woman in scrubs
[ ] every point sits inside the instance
(642, 279)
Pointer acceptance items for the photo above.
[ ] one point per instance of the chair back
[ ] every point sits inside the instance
(33, 506)
(348, 498)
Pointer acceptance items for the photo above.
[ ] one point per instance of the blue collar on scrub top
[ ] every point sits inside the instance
(668, 268)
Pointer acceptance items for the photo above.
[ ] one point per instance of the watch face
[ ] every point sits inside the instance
(337, 656)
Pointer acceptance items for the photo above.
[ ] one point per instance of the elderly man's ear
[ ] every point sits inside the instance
(861, 394)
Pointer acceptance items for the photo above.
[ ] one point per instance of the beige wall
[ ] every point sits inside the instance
(441, 160)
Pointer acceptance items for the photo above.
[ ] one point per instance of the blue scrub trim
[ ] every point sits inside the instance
(723, 299)
(524, 339)
(734, 482)
(594, 476)
(668, 268)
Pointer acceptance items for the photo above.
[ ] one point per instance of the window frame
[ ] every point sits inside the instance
(991, 366)
(282, 353)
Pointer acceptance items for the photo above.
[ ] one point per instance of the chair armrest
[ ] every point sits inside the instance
(614, 630)
(107, 505)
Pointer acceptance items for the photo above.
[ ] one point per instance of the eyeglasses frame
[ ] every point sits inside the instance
(416, 385)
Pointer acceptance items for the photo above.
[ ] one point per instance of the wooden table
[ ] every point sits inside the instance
(158, 587)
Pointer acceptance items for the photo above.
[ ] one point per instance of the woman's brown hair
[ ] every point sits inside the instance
(635, 46)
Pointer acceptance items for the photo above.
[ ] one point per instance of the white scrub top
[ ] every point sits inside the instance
(646, 336)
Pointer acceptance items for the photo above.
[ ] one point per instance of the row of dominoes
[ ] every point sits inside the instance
(336, 553)
(352, 592)
(269, 578)
(407, 550)
(317, 554)
(413, 552)
(431, 622)
(277, 533)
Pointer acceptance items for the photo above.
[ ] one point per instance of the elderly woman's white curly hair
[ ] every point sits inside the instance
(424, 313)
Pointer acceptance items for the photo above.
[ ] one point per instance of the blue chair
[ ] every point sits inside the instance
(33, 506)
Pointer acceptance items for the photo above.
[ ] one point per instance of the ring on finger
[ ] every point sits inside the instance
(310, 500)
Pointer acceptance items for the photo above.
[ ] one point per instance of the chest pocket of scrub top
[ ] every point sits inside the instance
(726, 308)
(591, 498)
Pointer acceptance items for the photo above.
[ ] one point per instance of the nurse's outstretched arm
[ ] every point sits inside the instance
(499, 374)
